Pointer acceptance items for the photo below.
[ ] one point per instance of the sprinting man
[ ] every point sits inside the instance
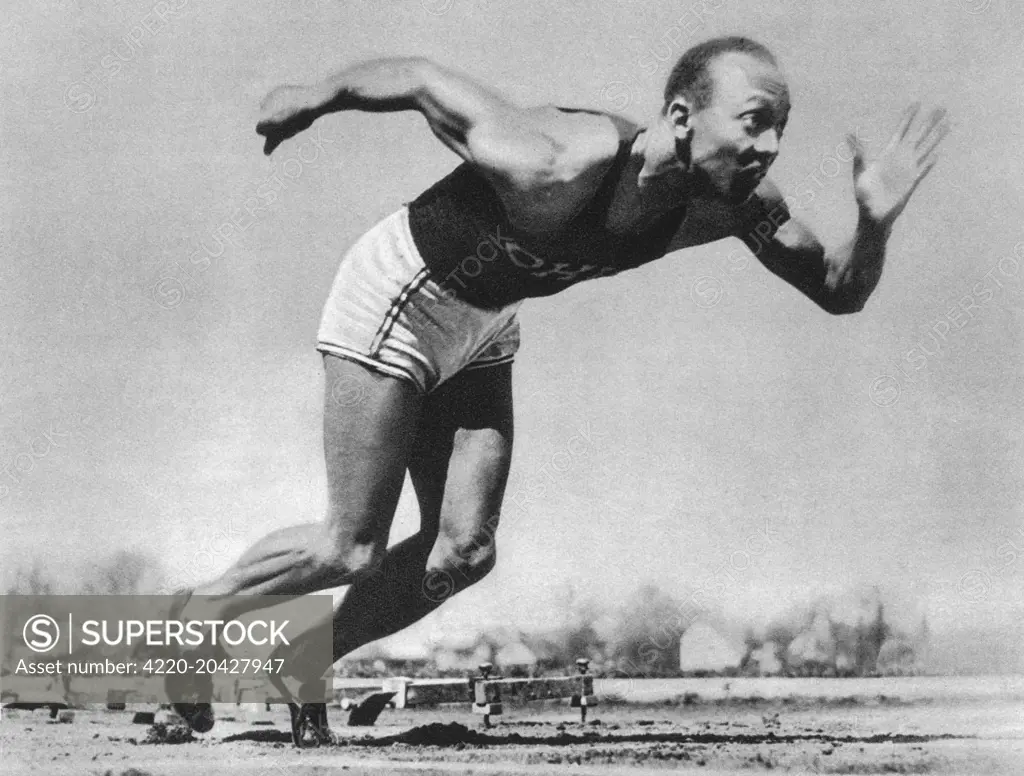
(419, 330)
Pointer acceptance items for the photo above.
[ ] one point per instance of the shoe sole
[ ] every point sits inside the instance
(310, 718)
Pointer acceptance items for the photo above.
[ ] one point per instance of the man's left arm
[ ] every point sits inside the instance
(841, 280)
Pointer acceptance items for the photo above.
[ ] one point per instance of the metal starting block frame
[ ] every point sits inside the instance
(488, 692)
(485, 693)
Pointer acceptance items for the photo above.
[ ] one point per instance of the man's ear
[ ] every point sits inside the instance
(680, 117)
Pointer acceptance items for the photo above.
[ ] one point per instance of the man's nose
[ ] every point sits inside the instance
(768, 142)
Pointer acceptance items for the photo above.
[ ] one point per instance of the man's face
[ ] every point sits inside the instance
(736, 137)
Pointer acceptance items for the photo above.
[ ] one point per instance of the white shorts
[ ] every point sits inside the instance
(387, 312)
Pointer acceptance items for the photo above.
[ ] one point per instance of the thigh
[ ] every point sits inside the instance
(369, 427)
(463, 454)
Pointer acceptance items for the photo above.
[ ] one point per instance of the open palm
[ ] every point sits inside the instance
(883, 185)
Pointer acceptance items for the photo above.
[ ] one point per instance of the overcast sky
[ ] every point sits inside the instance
(161, 389)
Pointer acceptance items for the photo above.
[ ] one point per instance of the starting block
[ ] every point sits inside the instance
(485, 693)
(488, 692)
(365, 710)
(402, 692)
(428, 692)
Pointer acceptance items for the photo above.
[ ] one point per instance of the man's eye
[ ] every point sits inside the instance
(755, 121)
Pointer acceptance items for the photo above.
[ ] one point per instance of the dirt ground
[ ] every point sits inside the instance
(802, 736)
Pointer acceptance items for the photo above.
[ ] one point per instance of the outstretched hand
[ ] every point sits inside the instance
(284, 113)
(883, 185)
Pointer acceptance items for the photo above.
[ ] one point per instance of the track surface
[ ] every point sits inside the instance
(863, 736)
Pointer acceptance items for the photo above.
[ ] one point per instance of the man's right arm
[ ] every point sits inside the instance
(517, 149)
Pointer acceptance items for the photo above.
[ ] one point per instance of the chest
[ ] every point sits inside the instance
(582, 249)
(619, 232)
(613, 237)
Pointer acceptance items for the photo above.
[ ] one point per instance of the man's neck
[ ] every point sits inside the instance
(655, 180)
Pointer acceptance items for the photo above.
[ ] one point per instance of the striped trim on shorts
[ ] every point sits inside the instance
(386, 311)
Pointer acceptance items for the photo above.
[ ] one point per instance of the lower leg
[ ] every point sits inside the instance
(289, 562)
(285, 562)
(398, 594)
(400, 591)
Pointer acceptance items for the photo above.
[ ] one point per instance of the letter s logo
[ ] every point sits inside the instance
(41, 633)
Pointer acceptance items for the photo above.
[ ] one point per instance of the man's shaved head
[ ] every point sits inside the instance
(727, 105)
(691, 77)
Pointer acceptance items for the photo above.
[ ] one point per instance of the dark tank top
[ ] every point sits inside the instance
(465, 238)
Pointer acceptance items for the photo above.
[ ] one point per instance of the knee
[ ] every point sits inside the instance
(462, 568)
(344, 557)
(466, 558)
(475, 563)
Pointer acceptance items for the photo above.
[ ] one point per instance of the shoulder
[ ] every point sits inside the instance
(582, 145)
(582, 140)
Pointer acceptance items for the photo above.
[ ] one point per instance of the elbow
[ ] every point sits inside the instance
(412, 76)
(423, 67)
(845, 298)
(416, 73)
(844, 305)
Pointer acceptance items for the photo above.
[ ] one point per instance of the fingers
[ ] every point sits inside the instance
(907, 120)
(927, 169)
(857, 147)
(930, 141)
(921, 136)
(273, 140)
(929, 150)
(936, 119)
(927, 147)
(922, 175)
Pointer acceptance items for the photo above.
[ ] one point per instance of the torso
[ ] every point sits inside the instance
(476, 251)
